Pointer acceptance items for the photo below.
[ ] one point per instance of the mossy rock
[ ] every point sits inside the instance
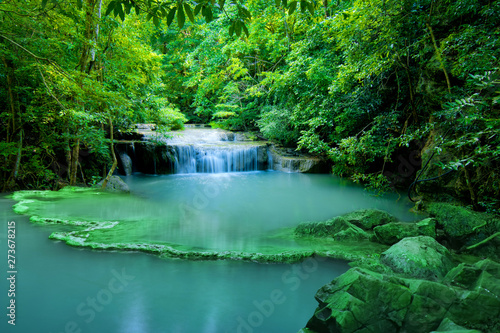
(338, 228)
(361, 300)
(419, 257)
(322, 229)
(367, 219)
(450, 327)
(353, 301)
(456, 221)
(393, 232)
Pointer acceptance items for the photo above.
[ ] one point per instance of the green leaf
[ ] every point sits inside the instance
(303, 6)
(137, 9)
(197, 9)
(285, 3)
(149, 17)
(310, 7)
(181, 18)
(110, 8)
(231, 29)
(237, 28)
(246, 12)
(221, 3)
(79, 4)
(119, 11)
(128, 7)
(44, 3)
(277, 2)
(171, 16)
(245, 29)
(156, 21)
(292, 7)
(209, 15)
(189, 12)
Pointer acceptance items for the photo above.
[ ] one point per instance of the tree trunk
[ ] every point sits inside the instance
(115, 161)
(74, 162)
(96, 37)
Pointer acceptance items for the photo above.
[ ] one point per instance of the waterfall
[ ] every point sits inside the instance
(212, 159)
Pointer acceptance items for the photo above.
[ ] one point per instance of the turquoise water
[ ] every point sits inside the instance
(65, 289)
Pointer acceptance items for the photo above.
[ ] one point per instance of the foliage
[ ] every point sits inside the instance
(357, 82)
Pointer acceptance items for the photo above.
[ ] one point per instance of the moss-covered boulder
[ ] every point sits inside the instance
(356, 225)
(338, 228)
(353, 302)
(419, 257)
(367, 219)
(361, 301)
(456, 221)
(393, 232)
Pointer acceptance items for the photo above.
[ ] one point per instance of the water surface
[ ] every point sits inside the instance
(62, 288)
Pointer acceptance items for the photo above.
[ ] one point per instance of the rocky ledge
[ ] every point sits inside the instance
(289, 160)
(414, 286)
(417, 284)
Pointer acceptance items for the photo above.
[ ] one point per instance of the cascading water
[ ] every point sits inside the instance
(201, 150)
(203, 159)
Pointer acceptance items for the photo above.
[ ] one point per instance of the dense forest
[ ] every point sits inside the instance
(380, 88)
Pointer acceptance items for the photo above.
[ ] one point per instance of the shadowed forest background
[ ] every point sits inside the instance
(368, 85)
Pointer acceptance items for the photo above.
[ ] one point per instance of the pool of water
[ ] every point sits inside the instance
(66, 289)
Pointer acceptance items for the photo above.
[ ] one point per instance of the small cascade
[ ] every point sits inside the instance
(126, 163)
(206, 159)
(198, 149)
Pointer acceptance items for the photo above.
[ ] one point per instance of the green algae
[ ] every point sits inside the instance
(144, 232)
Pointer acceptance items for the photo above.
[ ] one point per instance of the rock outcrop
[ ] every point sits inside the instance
(286, 160)
(412, 288)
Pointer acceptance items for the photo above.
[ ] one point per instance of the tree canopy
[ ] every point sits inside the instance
(362, 83)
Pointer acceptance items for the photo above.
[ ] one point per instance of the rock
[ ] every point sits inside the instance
(338, 228)
(448, 326)
(354, 301)
(456, 221)
(281, 160)
(393, 232)
(419, 257)
(361, 300)
(367, 219)
(115, 185)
